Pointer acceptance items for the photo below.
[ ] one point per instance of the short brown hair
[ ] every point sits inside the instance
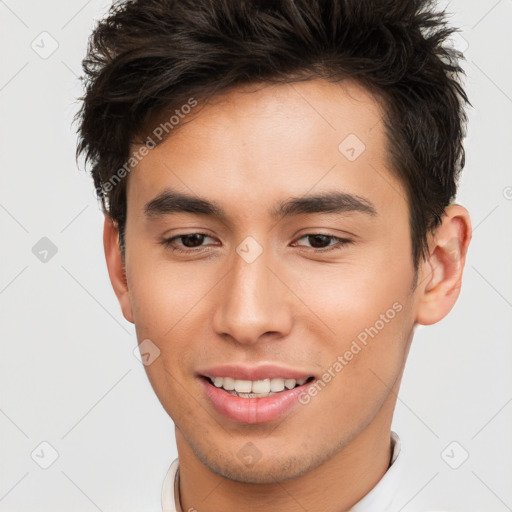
(150, 57)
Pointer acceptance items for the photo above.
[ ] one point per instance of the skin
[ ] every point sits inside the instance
(294, 305)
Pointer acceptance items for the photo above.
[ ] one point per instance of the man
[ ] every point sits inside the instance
(278, 181)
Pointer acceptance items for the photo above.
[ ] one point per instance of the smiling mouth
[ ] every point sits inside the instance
(255, 389)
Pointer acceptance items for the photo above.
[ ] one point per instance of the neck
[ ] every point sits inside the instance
(334, 486)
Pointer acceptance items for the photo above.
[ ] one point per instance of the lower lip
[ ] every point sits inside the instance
(253, 410)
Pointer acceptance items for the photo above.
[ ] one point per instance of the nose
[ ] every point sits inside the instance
(253, 301)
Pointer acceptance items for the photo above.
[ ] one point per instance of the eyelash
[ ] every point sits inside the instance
(168, 242)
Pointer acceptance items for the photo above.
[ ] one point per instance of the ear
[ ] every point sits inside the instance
(441, 274)
(115, 265)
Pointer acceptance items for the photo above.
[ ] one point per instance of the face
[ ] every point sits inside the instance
(315, 288)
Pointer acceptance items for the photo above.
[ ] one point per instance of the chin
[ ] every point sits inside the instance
(269, 470)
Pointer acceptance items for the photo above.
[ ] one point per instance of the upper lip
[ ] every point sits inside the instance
(266, 371)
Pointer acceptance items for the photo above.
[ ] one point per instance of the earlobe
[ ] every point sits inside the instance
(442, 271)
(116, 268)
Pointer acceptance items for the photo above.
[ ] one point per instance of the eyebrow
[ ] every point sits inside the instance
(169, 202)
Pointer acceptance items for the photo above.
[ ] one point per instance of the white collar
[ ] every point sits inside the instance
(379, 498)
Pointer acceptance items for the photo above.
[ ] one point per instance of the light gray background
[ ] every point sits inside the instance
(68, 374)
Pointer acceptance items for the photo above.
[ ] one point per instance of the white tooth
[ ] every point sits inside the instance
(217, 381)
(276, 385)
(301, 381)
(261, 386)
(290, 383)
(243, 386)
(229, 383)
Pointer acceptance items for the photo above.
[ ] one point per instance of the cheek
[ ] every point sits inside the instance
(350, 297)
(163, 295)
(364, 314)
(169, 304)
(362, 361)
(163, 301)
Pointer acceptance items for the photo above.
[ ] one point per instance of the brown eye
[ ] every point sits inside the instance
(321, 242)
(193, 240)
(188, 242)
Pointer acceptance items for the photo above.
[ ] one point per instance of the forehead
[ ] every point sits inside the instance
(260, 142)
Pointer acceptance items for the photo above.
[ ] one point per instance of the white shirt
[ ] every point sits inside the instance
(379, 498)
